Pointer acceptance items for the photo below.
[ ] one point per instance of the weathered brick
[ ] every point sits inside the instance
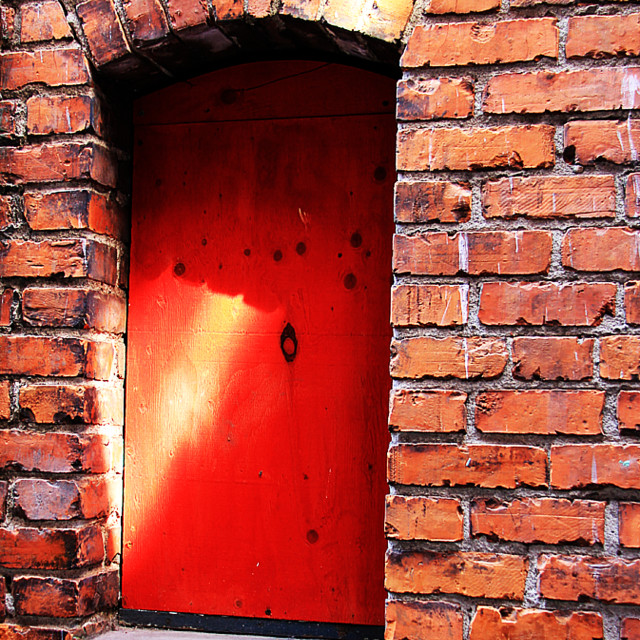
(629, 524)
(57, 403)
(434, 410)
(65, 598)
(103, 30)
(620, 357)
(47, 356)
(546, 520)
(5, 399)
(55, 452)
(258, 8)
(4, 490)
(476, 253)
(3, 600)
(630, 629)
(593, 140)
(629, 410)
(417, 620)
(146, 20)
(528, 147)
(468, 573)
(596, 249)
(7, 23)
(78, 209)
(567, 91)
(6, 213)
(6, 300)
(440, 45)
(228, 9)
(581, 465)
(521, 303)
(387, 19)
(429, 305)
(563, 358)
(32, 632)
(632, 196)
(609, 579)
(598, 36)
(419, 518)
(345, 14)
(39, 499)
(113, 543)
(62, 114)
(431, 98)
(430, 201)
(43, 20)
(540, 411)
(477, 465)
(517, 624)
(460, 6)
(186, 14)
(448, 357)
(8, 118)
(53, 67)
(66, 307)
(26, 548)
(550, 197)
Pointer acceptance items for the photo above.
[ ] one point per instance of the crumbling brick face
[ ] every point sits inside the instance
(514, 462)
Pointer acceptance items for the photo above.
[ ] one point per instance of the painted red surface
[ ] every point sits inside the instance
(258, 345)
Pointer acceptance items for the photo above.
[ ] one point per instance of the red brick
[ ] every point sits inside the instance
(432, 410)
(57, 403)
(540, 411)
(630, 629)
(53, 67)
(620, 357)
(563, 358)
(38, 499)
(186, 14)
(518, 624)
(56, 162)
(345, 14)
(7, 23)
(431, 98)
(603, 140)
(608, 579)
(567, 91)
(6, 213)
(468, 573)
(6, 300)
(387, 19)
(629, 524)
(582, 465)
(69, 258)
(418, 518)
(551, 197)
(146, 20)
(599, 36)
(481, 465)
(103, 30)
(80, 209)
(62, 114)
(632, 196)
(596, 249)
(440, 45)
(629, 410)
(419, 620)
(305, 9)
(258, 8)
(65, 598)
(43, 20)
(528, 146)
(429, 305)
(448, 357)
(5, 399)
(47, 356)
(113, 543)
(476, 253)
(8, 118)
(546, 520)
(54, 452)
(4, 490)
(460, 6)
(532, 303)
(228, 9)
(17, 632)
(25, 548)
(430, 201)
(81, 308)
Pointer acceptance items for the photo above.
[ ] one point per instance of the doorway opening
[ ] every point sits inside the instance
(257, 372)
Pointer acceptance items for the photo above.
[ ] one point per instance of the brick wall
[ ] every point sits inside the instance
(514, 466)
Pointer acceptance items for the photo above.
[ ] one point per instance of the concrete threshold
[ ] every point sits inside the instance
(137, 633)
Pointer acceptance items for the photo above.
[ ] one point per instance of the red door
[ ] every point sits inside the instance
(257, 378)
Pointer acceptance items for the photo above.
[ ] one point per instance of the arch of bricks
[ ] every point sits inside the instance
(514, 463)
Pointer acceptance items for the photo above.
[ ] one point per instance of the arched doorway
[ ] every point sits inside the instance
(258, 345)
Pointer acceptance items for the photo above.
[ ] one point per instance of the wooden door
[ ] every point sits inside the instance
(257, 379)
